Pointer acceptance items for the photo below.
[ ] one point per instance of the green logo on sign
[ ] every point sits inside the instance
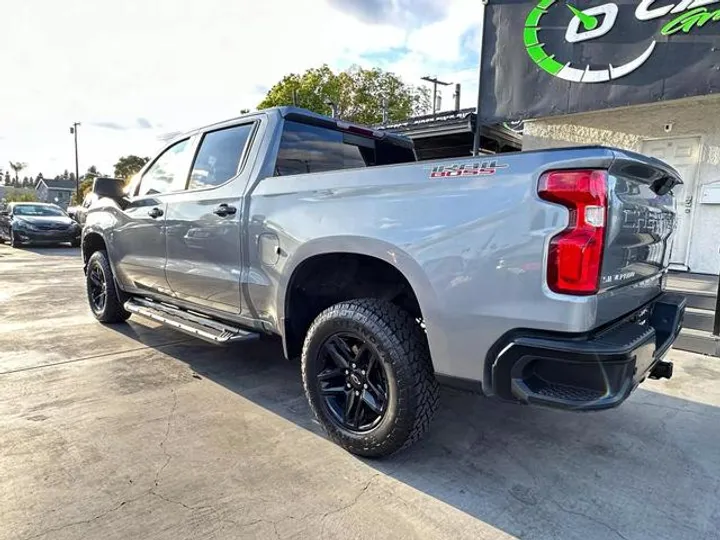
(597, 21)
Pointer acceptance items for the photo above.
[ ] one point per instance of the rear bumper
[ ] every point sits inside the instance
(590, 372)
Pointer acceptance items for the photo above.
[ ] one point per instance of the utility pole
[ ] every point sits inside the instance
(435, 82)
(333, 107)
(73, 130)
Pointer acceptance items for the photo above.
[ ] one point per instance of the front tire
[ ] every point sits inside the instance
(368, 377)
(13, 240)
(102, 295)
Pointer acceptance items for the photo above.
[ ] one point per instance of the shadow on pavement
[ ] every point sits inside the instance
(649, 469)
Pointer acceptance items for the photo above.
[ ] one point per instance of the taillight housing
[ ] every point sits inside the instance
(575, 254)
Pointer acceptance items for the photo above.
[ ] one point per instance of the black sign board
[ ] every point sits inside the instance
(550, 57)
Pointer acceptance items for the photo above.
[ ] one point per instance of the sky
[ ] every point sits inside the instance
(133, 71)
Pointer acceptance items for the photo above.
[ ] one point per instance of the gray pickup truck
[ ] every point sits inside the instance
(534, 277)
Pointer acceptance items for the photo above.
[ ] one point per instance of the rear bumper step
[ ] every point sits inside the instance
(193, 324)
(590, 372)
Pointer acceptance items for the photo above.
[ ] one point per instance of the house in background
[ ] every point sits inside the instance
(58, 191)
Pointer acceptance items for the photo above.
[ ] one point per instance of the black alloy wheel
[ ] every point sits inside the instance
(352, 382)
(105, 299)
(97, 287)
(368, 376)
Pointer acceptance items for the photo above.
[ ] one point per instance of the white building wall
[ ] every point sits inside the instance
(626, 128)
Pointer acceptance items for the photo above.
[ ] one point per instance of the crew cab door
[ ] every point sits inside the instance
(203, 223)
(138, 238)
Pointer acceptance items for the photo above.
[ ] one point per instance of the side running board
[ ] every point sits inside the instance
(191, 323)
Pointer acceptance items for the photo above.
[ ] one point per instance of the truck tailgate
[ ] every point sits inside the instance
(640, 223)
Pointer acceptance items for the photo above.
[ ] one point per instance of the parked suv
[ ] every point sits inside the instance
(535, 277)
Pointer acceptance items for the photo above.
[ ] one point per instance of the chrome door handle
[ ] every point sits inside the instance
(155, 213)
(223, 210)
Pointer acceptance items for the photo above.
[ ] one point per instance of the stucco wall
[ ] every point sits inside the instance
(627, 128)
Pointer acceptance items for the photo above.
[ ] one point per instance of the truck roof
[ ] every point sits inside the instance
(298, 113)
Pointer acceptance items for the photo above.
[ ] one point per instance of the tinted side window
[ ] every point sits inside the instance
(219, 156)
(307, 149)
(169, 172)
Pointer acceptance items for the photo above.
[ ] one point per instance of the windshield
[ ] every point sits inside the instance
(37, 210)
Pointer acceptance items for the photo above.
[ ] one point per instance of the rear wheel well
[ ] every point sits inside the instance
(91, 243)
(325, 280)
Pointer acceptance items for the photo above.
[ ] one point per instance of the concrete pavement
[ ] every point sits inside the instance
(134, 431)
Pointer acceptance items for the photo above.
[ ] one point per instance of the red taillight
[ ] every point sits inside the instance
(576, 253)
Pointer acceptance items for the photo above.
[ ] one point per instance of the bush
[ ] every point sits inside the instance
(20, 195)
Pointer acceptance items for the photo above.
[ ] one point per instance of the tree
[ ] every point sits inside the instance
(127, 166)
(20, 195)
(7, 178)
(38, 178)
(25, 182)
(359, 95)
(86, 184)
(17, 166)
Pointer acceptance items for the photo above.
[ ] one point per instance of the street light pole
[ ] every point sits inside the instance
(435, 82)
(73, 130)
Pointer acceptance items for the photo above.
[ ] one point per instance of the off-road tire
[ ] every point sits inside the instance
(112, 311)
(401, 346)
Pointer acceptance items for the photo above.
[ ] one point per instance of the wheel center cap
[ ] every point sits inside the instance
(355, 380)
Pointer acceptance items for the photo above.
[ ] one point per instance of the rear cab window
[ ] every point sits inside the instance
(306, 148)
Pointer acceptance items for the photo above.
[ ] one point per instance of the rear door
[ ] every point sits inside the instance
(203, 222)
(138, 239)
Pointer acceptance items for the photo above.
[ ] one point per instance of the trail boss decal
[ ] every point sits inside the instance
(597, 21)
(483, 168)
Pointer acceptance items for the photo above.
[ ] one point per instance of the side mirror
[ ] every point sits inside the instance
(109, 187)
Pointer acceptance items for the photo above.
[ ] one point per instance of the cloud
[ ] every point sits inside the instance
(402, 13)
(108, 125)
(166, 137)
(143, 123)
(116, 85)
(139, 123)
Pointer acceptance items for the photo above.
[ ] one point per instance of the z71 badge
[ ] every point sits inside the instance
(483, 168)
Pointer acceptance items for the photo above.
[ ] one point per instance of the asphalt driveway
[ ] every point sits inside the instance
(134, 431)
